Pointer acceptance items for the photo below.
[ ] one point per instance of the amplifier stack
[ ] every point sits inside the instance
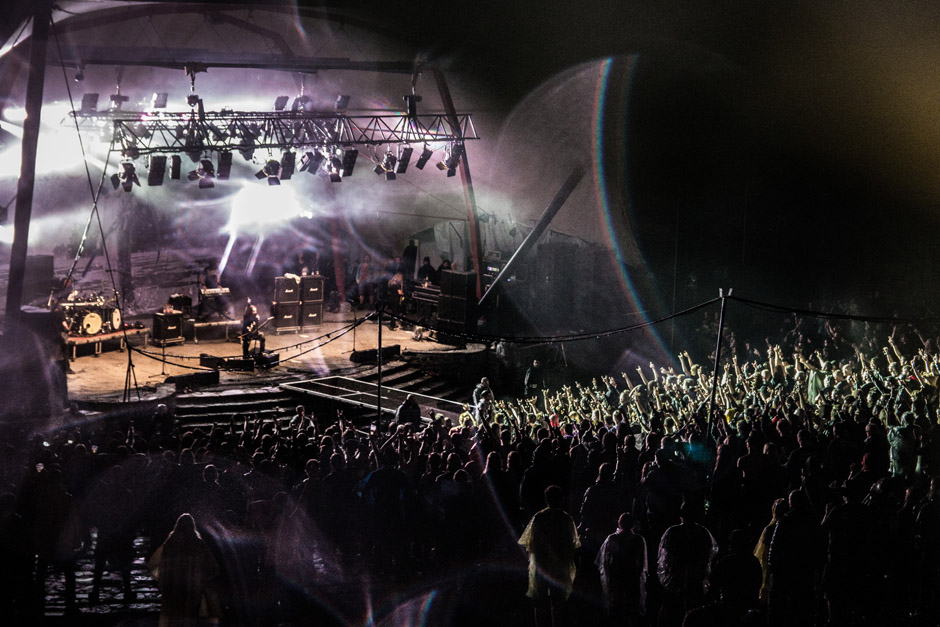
(298, 303)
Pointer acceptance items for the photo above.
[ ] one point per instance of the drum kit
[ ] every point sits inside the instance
(91, 314)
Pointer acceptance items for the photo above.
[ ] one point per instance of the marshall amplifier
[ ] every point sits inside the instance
(167, 328)
(311, 289)
(311, 314)
(286, 290)
(286, 316)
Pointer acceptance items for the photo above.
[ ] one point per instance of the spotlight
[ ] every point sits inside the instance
(156, 171)
(89, 103)
(159, 100)
(225, 165)
(302, 104)
(404, 156)
(349, 161)
(280, 102)
(175, 166)
(333, 168)
(270, 171)
(192, 100)
(426, 155)
(411, 103)
(310, 162)
(387, 167)
(203, 173)
(117, 100)
(126, 179)
(287, 165)
(79, 75)
(342, 101)
(452, 160)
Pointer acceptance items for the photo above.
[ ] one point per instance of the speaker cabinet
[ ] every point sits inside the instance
(286, 316)
(311, 314)
(194, 380)
(167, 328)
(210, 361)
(267, 359)
(286, 290)
(311, 289)
(239, 364)
(460, 312)
(459, 284)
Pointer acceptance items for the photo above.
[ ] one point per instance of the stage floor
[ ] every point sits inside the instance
(316, 352)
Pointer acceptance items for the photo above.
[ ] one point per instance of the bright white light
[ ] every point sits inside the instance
(6, 234)
(14, 114)
(259, 205)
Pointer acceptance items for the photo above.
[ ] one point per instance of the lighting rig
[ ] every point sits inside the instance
(320, 142)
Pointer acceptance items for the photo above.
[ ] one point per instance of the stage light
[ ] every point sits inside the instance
(349, 161)
(302, 103)
(225, 166)
(192, 100)
(452, 159)
(127, 178)
(426, 155)
(270, 171)
(176, 164)
(117, 100)
(89, 103)
(333, 167)
(310, 162)
(342, 102)
(247, 148)
(387, 167)
(404, 157)
(287, 165)
(411, 103)
(80, 75)
(156, 171)
(204, 173)
(280, 102)
(158, 101)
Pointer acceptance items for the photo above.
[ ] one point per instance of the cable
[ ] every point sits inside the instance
(574, 337)
(95, 195)
(817, 314)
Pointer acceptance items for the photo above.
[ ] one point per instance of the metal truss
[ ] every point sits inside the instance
(137, 134)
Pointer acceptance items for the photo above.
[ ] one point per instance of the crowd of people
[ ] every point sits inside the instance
(807, 497)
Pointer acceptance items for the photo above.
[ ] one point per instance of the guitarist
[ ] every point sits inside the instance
(251, 325)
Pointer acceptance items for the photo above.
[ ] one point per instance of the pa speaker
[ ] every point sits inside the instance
(459, 284)
(311, 314)
(311, 289)
(286, 290)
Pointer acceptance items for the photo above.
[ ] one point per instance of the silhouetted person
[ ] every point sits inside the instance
(183, 567)
(551, 541)
(622, 564)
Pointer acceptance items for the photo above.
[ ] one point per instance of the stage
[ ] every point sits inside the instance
(312, 353)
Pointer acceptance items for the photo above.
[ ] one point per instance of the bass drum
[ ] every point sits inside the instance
(91, 323)
(115, 319)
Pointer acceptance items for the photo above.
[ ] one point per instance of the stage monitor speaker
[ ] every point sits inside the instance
(311, 289)
(267, 359)
(459, 284)
(286, 290)
(167, 327)
(210, 361)
(286, 315)
(194, 380)
(370, 356)
(238, 364)
(311, 314)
